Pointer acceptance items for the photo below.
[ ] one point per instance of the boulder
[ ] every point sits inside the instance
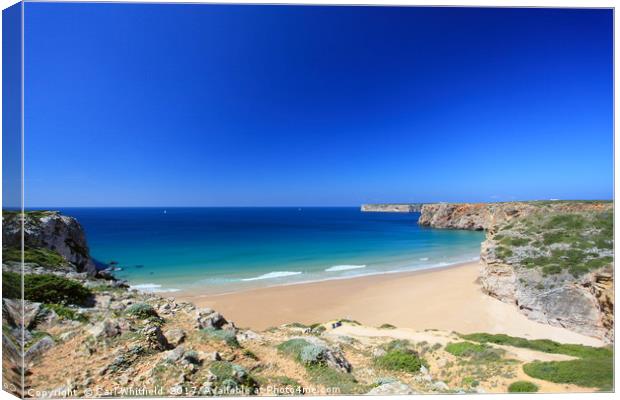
(175, 336)
(208, 318)
(38, 349)
(248, 335)
(105, 329)
(174, 355)
(391, 388)
(154, 338)
(13, 312)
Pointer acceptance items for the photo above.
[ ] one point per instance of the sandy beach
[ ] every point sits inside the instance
(448, 298)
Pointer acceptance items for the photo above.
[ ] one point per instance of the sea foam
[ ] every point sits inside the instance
(152, 288)
(344, 267)
(272, 275)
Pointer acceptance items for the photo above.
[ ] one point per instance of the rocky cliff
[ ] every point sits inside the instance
(49, 230)
(411, 207)
(483, 216)
(553, 260)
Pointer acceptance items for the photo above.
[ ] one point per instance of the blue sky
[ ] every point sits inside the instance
(189, 105)
(11, 107)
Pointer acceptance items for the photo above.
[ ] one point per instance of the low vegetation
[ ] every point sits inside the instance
(45, 288)
(576, 242)
(400, 357)
(40, 256)
(522, 387)
(476, 353)
(312, 357)
(141, 310)
(544, 345)
(230, 377)
(67, 313)
(11, 285)
(593, 368)
(337, 381)
(301, 350)
(465, 349)
(223, 335)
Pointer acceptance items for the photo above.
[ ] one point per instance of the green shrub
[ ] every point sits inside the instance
(398, 344)
(224, 335)
(544, 345)
(387, 326)
(470, 381)
(400, 360)
(476, 352)
(522, 387)
(349, 321)
(592, 372)
(465, 349)
(303, 351)
(312, 354)
(317, 328)
(342, 382)
(297, 325)
(46, 288)
(293, 347)
(231, 376)
(40, 256)
(65, 312)
(141, 310)
(11, 285)
(593, 368)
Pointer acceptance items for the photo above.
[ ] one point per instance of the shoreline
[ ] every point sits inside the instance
(446, 298)
(255, 283)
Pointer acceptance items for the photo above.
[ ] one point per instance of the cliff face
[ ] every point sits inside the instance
(413, 207)
(50, 230)
(483, 216)
(553, 260)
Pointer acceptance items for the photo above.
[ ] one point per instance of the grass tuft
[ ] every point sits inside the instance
(522, 387)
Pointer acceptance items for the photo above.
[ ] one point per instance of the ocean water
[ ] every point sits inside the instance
(225, 249)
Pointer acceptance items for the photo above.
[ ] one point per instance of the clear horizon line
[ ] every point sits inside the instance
(48, 207)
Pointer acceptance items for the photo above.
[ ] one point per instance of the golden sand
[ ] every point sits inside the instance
(447, 299)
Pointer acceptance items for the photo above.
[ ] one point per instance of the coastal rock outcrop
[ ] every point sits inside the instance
(556, 267)
(552, 259)
(50, 230)
(484, 216)
(406, 208)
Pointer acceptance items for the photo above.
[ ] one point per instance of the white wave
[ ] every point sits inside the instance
(272, 275)
(344, 267)
(152, 288)
(424, 259)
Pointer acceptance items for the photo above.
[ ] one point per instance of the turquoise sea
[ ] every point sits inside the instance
(225, 249)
